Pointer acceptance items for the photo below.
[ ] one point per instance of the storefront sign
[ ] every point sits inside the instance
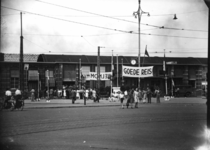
(93, 76)
(128, 71)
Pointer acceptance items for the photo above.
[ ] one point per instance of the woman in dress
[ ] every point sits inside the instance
(136, 98)
(131, 97)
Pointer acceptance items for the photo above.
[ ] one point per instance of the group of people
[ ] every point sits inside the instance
(67, 92)
(9, 96)
(135, 96)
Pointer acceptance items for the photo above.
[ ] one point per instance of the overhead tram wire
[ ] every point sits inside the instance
(36, 44)
(161, 27)
(130, 32)
(87, 41)
(69, 20)
(33, 34)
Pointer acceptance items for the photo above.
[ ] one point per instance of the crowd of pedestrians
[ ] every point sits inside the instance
(67, 92)
(128, 98)
(133, 97)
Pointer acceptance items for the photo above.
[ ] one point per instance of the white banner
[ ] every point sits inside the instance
(128, 71)
(93, 76)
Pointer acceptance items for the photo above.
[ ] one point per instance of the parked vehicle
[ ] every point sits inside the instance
(184, 90)
(10, 104)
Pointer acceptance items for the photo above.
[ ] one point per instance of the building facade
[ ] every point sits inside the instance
(41, 71)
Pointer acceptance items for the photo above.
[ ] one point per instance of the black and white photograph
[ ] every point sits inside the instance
(104, 75)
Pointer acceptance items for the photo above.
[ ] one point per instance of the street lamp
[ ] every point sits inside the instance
(138, 13)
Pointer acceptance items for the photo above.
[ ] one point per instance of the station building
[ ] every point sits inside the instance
(64, 70)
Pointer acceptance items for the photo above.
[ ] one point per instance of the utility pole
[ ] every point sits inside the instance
(138, 13)
(21, 77)
(208, 74)
(122, 73)
(165, 75)
(80, 79)
(0, 27)
(98, 69)
(117, 71)
(112, 73)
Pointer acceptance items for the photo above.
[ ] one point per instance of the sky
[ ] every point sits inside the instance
(79, 27)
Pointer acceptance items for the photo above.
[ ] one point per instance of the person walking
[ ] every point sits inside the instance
(32, 95)
(157, 93)
(149, 95)
(121, 99)
(140, 95)
(94, 95)
(144, 96)
(131, 97)
(74, 95)
(128, 98)
(18, 96)
(86, 92)
(136, 98)
(8, 95)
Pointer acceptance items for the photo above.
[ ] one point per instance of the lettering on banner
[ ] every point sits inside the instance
(103, 76)
(137, 71)
(131, 71)
(146, 71)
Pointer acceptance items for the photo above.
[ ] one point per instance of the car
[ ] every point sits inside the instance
(184, 90)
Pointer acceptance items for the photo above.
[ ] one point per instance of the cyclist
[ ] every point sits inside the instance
(8, 95)
(17, 97)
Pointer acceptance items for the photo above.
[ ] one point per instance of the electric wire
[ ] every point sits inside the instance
(69, 20)
(121, 19)
(87, 41)
(36, 44)
(131, 32)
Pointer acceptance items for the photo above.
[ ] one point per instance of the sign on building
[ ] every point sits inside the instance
(128, 71)
(26, 66)
(93, 76)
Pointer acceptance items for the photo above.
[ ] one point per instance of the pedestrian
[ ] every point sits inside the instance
(64, 93)
(140, 95)
(94, 95)
(55, 93)
(59, 93)
(18, 96)
(136, 98)
(48, 96)
(149, 95)
(121, 99)
(32, 95)
(144, 96)
(74, 95)
(131, 98)
(97, 95)
(177, 92)
(157, 93)
(77, 94)
(86, 92)
(8, 95)
(51, 93)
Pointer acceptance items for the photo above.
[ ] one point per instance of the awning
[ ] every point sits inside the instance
(33, 75)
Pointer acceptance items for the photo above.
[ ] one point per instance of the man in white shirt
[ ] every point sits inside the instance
(8, 95)
(18, 94)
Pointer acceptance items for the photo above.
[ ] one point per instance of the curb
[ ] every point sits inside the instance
(41, 107)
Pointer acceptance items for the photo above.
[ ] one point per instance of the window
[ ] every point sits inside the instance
(49, 73)
(102, 69)
(85, 69)
(33, 75)
(51, 78)
(14, 82)
(69, 73)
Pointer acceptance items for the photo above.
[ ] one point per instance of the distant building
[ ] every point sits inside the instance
(64, 70)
